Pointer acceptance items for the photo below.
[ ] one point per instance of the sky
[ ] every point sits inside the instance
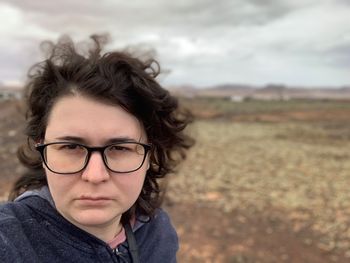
(197, 42)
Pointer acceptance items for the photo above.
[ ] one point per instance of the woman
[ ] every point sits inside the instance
(101, 133)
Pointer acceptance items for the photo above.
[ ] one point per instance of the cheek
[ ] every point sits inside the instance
(59, 186)
(136, 180)
(131, 184)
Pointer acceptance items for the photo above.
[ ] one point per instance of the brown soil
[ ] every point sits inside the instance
(208, 235)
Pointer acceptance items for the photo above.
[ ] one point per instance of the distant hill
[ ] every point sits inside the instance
(10, 92)
(236, 92)
(268, 92)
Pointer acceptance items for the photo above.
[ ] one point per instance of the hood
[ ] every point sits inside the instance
(44, 193)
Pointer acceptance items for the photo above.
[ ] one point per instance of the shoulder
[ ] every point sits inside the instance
(158, 239)
(19, 217)
(159, 226)
(12, 217)
(10, 212)
(12, 233)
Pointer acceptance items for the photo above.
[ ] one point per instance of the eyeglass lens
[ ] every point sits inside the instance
(71, 158)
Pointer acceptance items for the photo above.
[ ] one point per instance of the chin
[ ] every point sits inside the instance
(91, 218)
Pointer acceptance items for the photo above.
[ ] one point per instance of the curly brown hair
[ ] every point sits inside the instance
(117, 78)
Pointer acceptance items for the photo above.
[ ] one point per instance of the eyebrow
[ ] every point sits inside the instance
(84, 141)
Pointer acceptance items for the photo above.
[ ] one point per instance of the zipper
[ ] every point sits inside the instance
(120, 256)
(117, 252)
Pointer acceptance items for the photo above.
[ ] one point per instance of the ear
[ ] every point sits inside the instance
(148, 160)
(39, 141)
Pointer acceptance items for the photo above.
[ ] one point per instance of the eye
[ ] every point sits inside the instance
(69, 147)
(119, 147)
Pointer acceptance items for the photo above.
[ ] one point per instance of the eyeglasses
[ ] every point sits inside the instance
(69, 158)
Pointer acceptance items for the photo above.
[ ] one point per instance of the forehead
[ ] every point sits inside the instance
(93, 121)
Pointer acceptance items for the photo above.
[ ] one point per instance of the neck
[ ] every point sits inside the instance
(105, 233)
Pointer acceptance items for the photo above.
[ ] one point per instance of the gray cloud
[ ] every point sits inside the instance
(202, 42)
(186, 14)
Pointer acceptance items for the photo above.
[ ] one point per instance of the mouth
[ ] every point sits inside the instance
(94, 201)
(93, 198)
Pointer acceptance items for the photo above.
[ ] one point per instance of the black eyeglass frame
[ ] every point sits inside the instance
(41, 149)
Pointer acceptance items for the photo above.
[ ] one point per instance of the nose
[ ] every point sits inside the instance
(95, 171)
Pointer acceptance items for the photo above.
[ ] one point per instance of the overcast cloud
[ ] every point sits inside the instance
(203, 42)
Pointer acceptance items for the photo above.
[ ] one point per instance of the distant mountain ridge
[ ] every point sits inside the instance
(238, 91)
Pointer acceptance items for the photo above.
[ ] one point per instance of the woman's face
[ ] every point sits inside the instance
(94, 198)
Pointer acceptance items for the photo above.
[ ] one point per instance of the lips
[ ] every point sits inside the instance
(94, 198)
(93, 201)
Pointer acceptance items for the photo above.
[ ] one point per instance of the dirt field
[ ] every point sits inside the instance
(266, 181)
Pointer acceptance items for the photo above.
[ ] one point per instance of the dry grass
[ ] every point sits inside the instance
(302, 169)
